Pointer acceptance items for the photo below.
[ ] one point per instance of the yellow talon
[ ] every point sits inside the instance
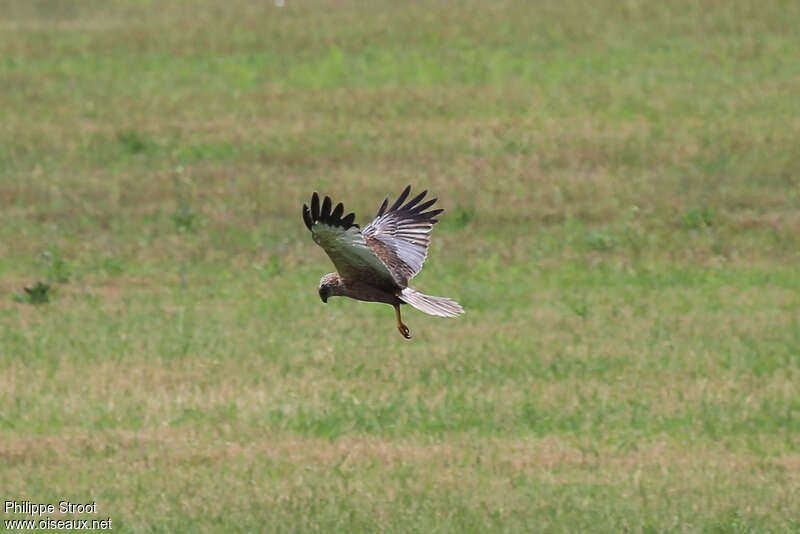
(404, 331)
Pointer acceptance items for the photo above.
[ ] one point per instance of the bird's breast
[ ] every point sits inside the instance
(370, 293)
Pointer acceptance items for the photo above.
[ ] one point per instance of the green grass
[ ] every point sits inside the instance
(622, 225)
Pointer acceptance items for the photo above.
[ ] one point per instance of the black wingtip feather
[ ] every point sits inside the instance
(413, 202)
(315, 206)
(337, 211)
(326, 208)
(401, 198)
(429, 215)
(382, 209)
(324, 214)
(422, 207)
(347, 221)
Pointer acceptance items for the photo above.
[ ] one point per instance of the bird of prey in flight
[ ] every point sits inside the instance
(376, 264)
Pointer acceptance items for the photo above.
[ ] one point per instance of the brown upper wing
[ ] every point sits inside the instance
(344, 243)
(400, 236)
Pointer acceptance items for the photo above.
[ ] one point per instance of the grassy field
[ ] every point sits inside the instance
(622, 191)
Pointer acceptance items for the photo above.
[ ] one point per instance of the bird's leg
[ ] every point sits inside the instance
(404, 331)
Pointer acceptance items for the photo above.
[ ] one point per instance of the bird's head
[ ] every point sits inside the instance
(329, 286)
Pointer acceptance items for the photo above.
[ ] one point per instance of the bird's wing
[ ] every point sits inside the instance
(400, 235)
(344, 243)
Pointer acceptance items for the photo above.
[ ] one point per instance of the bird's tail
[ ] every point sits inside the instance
(440, 306)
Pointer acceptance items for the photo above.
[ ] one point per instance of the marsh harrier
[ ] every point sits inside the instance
(376, 264)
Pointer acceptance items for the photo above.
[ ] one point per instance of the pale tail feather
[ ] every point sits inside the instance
(440, 306)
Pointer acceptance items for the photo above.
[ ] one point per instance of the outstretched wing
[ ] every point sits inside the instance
(400, 235)
(344, 243)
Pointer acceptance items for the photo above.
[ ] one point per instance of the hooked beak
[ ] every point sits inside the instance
(323, 297)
